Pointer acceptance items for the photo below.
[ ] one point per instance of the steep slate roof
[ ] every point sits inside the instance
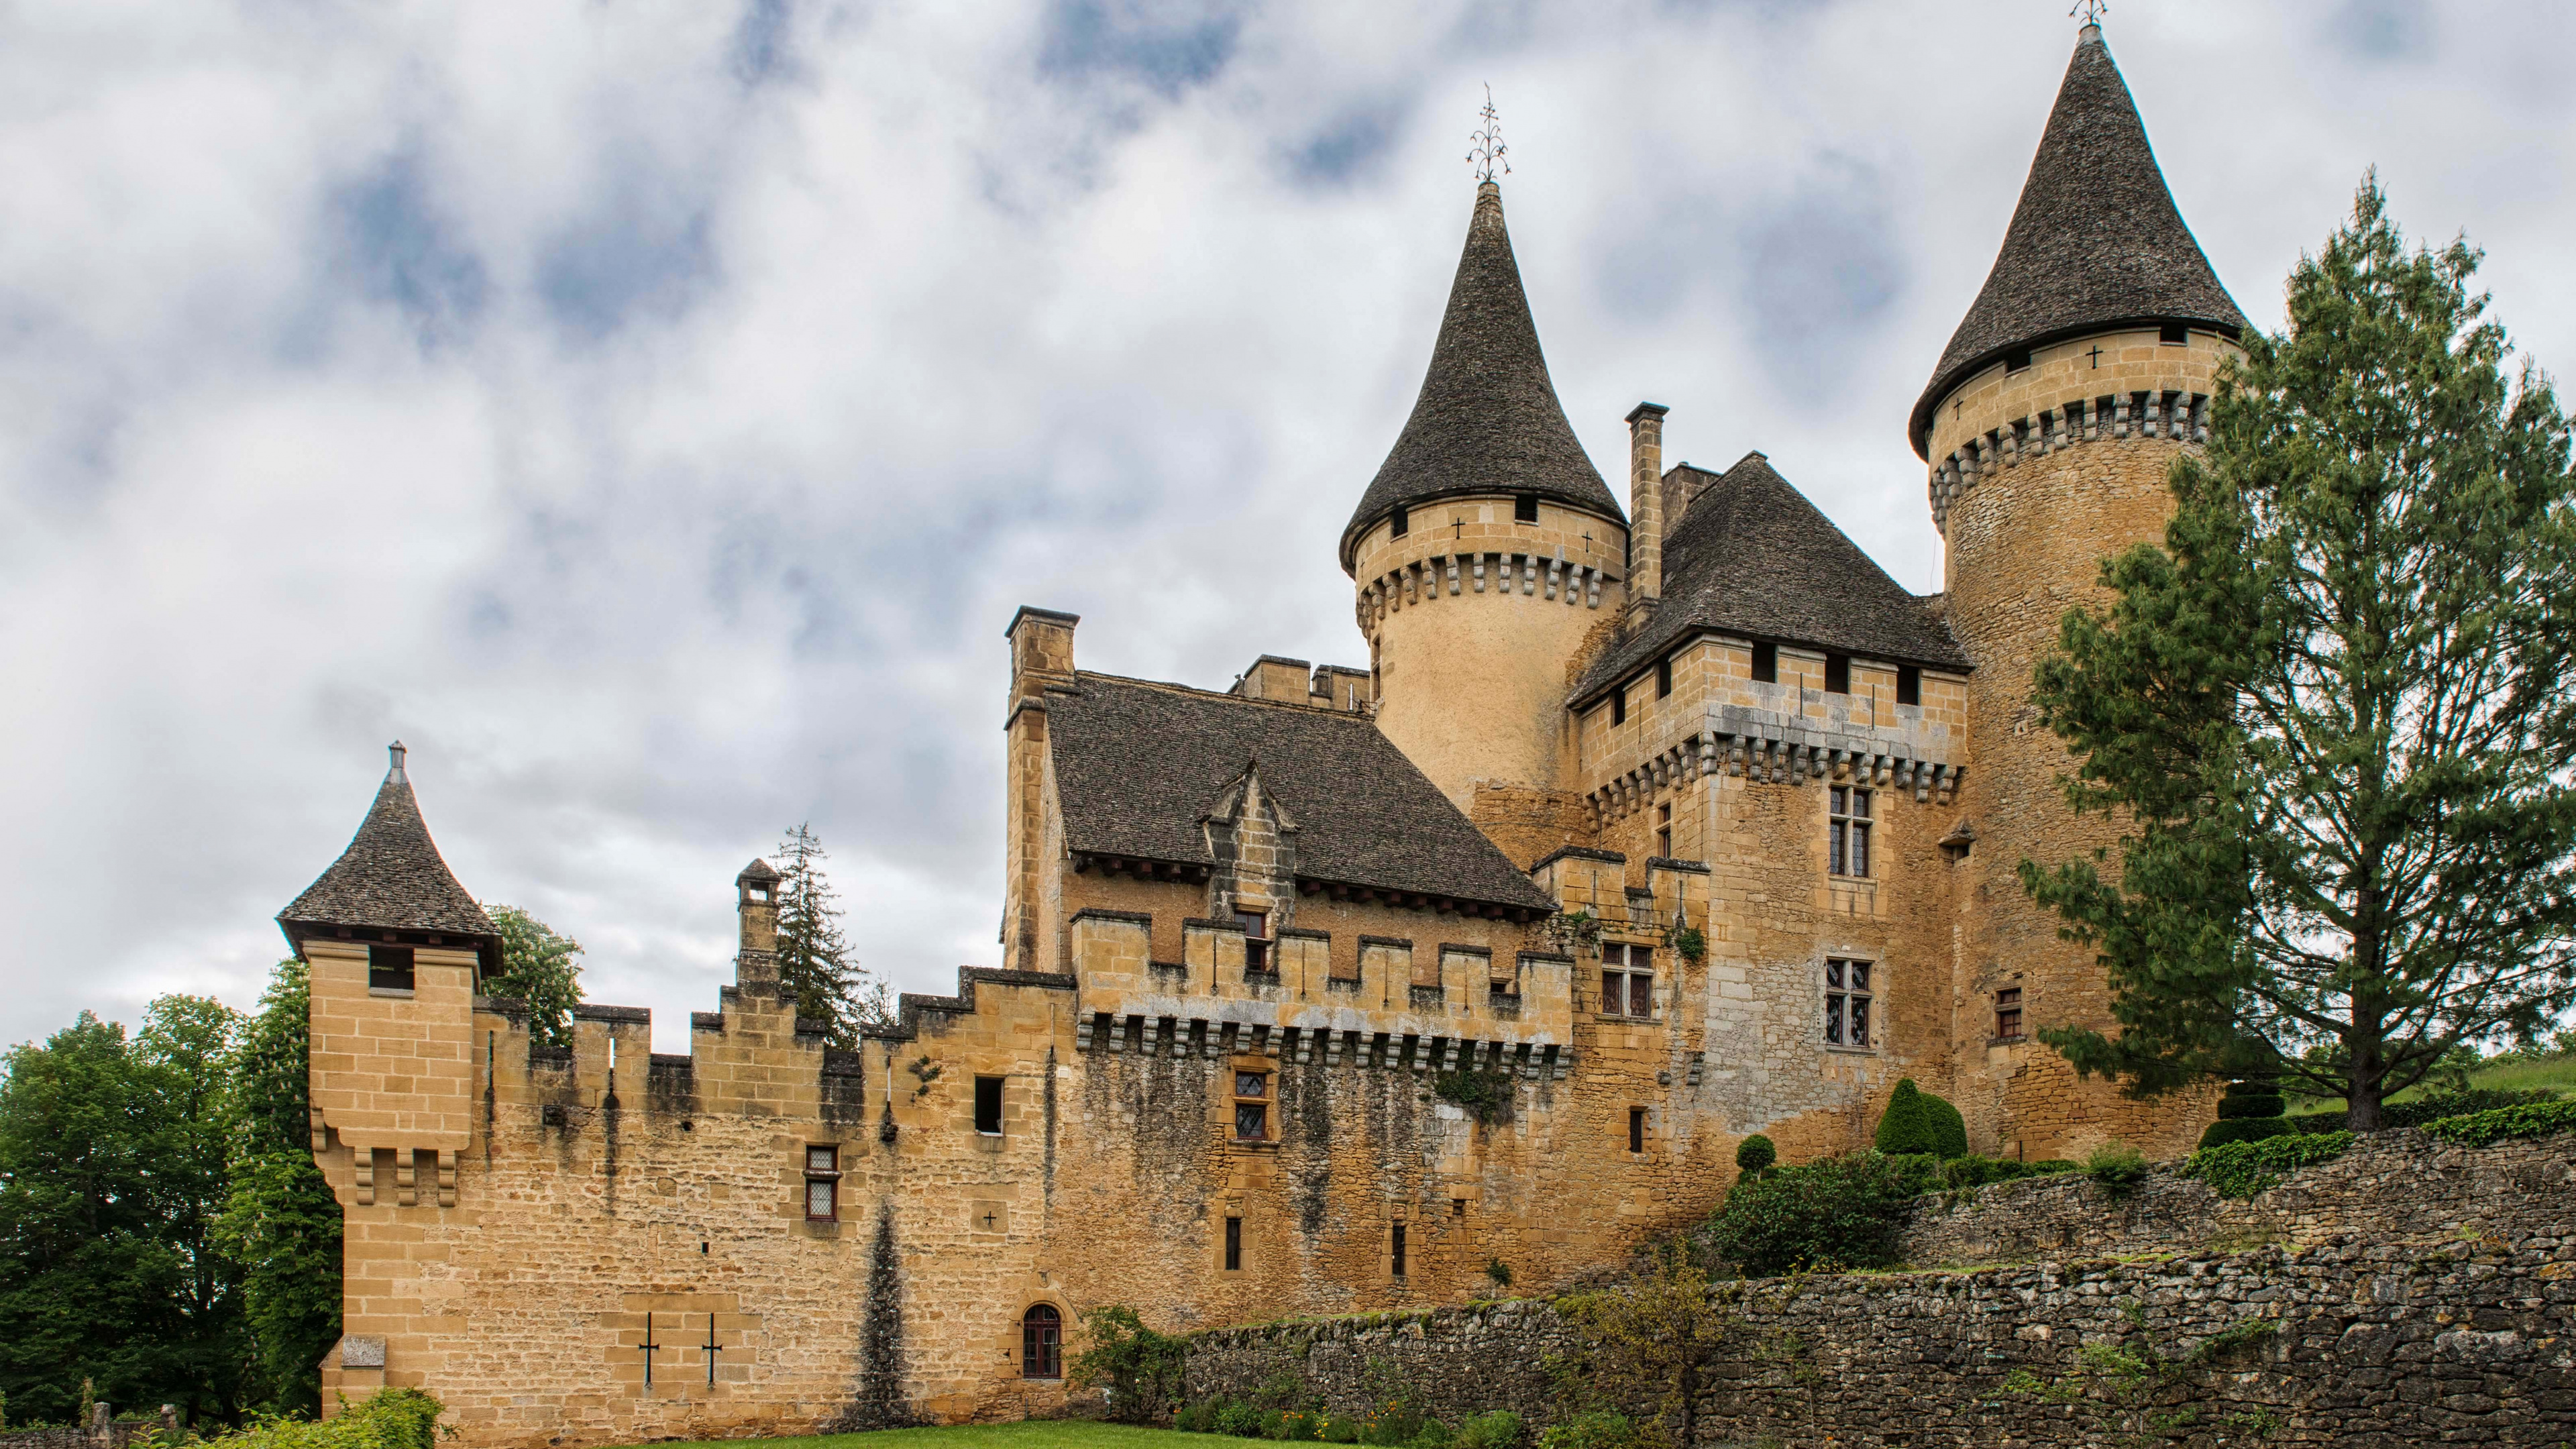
(2095, 242)
(1750, 555)
(1487, 419)
(391, 877)
(1138, 764)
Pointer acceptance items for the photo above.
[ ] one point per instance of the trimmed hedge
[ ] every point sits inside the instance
(2246, 1129)
(2242, 1169)
(1755, 1153)
(2529, 1119)
(2432, 1107)
(2232, 1107)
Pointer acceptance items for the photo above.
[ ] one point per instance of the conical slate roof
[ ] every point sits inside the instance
(391, 877)
(1487, 420)
(2095, 243)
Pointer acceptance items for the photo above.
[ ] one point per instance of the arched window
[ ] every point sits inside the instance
(1042, 1342)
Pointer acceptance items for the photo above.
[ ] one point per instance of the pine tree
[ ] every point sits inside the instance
(2332, 712)
(538, 968)
(280, 1220)
(815, 969)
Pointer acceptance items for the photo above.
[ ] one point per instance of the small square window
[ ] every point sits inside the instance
(1847, 827)
(1525, 508)
(1847, 1003)
(1766, 663)
(1909, 684)
(1837, 674)
(1251, 1084)
(988, 1106)
(822, 1184)
(1256, 939)
(2173, 334)
(2017, 361)
(389, 968)
(1251, 1122)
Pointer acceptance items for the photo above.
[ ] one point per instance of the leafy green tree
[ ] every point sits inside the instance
(281, 1222)
(112, 1170)
(816, 966)
(1654, 1339)
(537, 967)
(2332, 711)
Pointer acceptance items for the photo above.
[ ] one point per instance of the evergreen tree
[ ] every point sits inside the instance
(537, 967)
(281, 1221)
(815, 969)
(2333, 711)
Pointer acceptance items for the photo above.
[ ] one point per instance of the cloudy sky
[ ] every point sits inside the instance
(652, 412)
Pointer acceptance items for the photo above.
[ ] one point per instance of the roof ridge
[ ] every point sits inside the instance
(1229, 696)
(1487, 419)
(2095, 239)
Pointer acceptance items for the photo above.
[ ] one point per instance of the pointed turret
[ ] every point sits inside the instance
(1487, 420)
(2095, 243)
(391, 882)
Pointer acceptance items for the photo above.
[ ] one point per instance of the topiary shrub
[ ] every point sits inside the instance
(2246, 1129)
(1755, 1153)
(1949, 1129)
(1905, 1126)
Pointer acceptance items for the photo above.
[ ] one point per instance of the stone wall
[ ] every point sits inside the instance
(2386, 1317)
(2398, 1185)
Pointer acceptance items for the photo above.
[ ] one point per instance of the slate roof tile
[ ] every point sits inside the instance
(1751, 556)
(1487, 419)
(2095, 242)
(1138, 764)
(391, 877)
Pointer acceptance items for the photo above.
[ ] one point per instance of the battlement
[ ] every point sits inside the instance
(1551, 577)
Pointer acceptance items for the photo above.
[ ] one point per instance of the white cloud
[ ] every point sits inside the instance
(652, 413)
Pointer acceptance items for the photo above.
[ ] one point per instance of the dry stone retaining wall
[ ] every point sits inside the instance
(2388, 1317)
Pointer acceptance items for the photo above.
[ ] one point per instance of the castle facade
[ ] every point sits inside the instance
(1644, 829)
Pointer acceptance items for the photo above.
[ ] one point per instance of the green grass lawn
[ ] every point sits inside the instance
(2557, 1071)
(1034, 1434)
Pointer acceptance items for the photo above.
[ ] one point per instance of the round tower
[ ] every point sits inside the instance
(2083, 368)
(1487, 547)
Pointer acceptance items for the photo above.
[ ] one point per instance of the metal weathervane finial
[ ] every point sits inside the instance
(2090, 10)
(1489, 147)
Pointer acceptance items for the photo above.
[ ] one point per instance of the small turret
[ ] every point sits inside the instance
(1487, 547)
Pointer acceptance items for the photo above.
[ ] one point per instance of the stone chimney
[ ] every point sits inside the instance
(756, 892)
(1041, 656)
(1645, 510)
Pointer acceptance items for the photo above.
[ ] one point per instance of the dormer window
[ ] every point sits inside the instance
(1525, 508)
(1402, 523)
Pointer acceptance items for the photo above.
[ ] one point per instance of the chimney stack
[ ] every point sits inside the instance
(756, 893)
(1041, 655)
(1645, 510)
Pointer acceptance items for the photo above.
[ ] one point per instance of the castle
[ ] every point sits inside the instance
(1642, 831)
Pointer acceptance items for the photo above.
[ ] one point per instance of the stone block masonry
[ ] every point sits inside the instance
(2390, 1319)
